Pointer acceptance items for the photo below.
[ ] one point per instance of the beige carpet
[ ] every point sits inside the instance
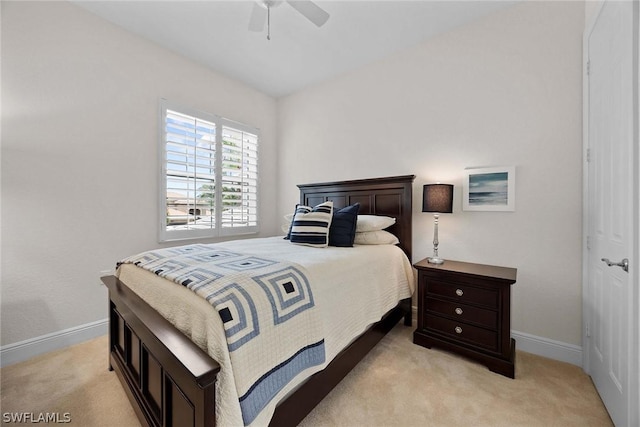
(397, 384)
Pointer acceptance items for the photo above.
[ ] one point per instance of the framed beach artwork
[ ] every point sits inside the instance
(489, 189)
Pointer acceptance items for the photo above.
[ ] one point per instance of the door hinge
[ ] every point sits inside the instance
(588, 331)
(588, 67)
(588, 242)
(588, 155)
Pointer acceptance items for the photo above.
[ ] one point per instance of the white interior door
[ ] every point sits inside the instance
(611, 302)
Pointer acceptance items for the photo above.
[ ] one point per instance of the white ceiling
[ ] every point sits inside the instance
(215, 33)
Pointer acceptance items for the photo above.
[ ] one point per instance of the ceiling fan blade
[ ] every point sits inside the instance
(310, 10)
(258, 18)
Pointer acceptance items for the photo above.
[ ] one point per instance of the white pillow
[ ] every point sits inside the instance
(286, 224)
(373, 222)
(377, 237)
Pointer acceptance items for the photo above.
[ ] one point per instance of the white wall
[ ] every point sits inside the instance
(80, 111)
(590, 9)
(79, 149)
(505, 90)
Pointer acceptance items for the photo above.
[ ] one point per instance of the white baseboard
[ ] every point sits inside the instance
(21, 351)
(545, 347)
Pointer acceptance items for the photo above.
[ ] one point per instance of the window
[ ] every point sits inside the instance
(209, 183)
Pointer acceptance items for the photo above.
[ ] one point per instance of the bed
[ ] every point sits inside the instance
(171, 381)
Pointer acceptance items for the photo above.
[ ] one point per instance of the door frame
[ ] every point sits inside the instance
(634, 257)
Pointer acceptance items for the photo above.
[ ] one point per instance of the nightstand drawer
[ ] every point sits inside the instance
(463, 332)
(463, 293)
(463, 312)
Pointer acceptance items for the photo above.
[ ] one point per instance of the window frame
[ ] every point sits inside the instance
(165, 235)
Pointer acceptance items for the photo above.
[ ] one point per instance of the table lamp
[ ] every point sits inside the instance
(437, 198)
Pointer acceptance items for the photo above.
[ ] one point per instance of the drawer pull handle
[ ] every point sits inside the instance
(458, 310)
(458, 330)
(459, 292)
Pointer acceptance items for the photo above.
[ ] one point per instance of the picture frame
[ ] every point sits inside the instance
(489, 189)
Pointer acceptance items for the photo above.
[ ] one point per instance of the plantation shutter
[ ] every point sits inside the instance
(239, 178)
(199, 150)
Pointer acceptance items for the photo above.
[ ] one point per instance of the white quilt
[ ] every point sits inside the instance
(353, 288)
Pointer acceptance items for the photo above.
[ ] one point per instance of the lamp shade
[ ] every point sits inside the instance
(437, 198)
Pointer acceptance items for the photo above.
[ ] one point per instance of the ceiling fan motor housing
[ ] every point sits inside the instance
(270, 4)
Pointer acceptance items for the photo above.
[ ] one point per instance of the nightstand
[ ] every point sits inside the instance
(466, 308)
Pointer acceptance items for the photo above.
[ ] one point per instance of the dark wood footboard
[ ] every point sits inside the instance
(169, 380)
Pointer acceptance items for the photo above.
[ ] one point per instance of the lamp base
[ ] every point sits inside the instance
(435, 260)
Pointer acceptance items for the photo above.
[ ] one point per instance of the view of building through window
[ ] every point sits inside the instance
(200, 152)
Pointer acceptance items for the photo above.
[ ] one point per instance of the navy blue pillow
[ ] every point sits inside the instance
(342, 231)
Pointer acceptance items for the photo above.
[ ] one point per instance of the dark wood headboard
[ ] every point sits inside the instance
(390, 196)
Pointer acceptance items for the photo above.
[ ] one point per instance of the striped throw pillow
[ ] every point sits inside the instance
(310, 226)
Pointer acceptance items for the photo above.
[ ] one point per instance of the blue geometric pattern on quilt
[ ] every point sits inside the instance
(247, 263)
(167, 267)
(267, 309)
(251, 403)
(238, 313)
(147, 258)
(197, 277)
(288, 291)
(212, 256)
(180, 250)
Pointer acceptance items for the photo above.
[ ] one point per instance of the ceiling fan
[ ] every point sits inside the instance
(261, 13)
